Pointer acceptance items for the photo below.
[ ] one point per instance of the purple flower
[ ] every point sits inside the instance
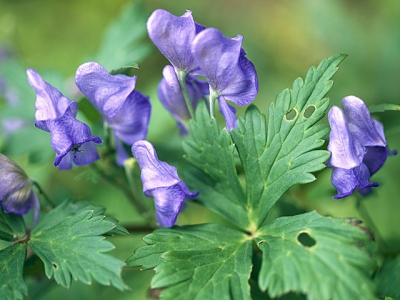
(16, 193)
(71, 139)
(174, 36)
(171, 95)
(358, 147)
(126, 111)
(230, 74)
(161, 182)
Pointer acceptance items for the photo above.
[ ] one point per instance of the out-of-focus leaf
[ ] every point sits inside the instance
(388, 278)
(11, 226)
(383, 107)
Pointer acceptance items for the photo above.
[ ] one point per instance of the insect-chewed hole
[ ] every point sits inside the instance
(306, 240)
(291, 115)
(55, 266)
(309, 111)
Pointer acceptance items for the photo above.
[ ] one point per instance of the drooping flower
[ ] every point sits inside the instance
(16, 193)
(358, 147)
(71, 139)
(171, 95)
(230, 74)
(161, 182)
(126, 110)
(173, 36)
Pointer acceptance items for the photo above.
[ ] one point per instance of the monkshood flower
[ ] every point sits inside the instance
(126, 111)
(230, 74)
(171, 95)
(71, 139)
(173, 36)
(161, 182)
(358, 147)
(16, 193)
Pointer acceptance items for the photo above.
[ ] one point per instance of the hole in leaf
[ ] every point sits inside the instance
(55, 266)
(306, 240)
(309, 111)
(291, 115)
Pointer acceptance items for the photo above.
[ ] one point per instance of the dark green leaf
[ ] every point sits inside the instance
(322, 257)
(206, 261)
(12, 284)
(388, 277)
(211, 151)
(383, 107)
(69, 241)
(11, 226)
(285, 156)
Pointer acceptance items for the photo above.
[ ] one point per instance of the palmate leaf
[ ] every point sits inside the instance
(322, 257)
(285, 156)
(69, 241)
(12, 284)
(12, 226)
(207, 261)
(211, 151)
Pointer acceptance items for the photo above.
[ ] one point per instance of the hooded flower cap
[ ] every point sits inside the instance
(357, 145)
(230, 74)
(171, 95)
(126, 111)
(70, 138)
(173, 36)
(16, 193)
(161, 182)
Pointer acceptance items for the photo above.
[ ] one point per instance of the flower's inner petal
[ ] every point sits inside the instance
(168, 202)
(85, 154)
(344, 181)
(228, 112)
(19, 202)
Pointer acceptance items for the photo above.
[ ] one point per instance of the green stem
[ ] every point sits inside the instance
(48, 200)
(213, 97)
(182, 82)
(128, 193)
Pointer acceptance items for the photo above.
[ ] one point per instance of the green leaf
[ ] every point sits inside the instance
(12, 284)
(69, 241)
(211, 151)
(322, 257)
(286, 156)
(122, 45)
(383, 107)
(11, 226)
(388, 277)
(207, 261)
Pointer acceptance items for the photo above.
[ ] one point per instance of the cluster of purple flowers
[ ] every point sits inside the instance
(358, 147)
(194, 50)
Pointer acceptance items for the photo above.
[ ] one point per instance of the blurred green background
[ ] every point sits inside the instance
(282, 38)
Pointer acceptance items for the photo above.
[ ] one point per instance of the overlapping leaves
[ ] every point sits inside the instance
(197, 262)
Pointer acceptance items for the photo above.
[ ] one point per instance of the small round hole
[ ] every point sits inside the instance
(309, 111)
(306, 240)
(291, 115)
(55, 266)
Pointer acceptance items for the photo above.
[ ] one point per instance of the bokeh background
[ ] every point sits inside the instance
(282, 38)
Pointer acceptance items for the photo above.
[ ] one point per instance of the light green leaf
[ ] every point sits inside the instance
(122, 44)
(388, 278)
(11, 226)
(12, 284)
(322, 257)
(206, 261)
(211, 151)
(383, 107)
(69, 241)
(286, 156)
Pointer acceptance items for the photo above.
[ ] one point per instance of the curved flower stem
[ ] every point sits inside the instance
(182, 82)
(48, 200)
(128, 193)
(213, 97)
(365, 215)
